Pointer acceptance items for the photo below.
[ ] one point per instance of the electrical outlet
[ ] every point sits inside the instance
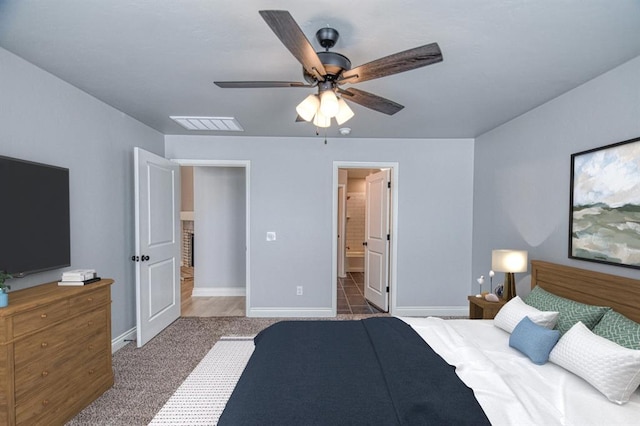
(299, 290)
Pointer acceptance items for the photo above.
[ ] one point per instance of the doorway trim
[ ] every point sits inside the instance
(395, 169)
(246, 164)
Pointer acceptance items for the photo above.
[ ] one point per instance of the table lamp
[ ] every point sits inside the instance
(509, 262)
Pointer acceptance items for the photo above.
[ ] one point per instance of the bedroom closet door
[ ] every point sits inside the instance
(157, 256)
(377, 239)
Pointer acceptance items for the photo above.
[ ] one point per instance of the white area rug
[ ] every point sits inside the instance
(203, 395)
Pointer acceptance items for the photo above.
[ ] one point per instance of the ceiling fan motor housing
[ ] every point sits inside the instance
(334, 63)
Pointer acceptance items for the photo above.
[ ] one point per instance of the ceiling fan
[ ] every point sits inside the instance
(329, 70)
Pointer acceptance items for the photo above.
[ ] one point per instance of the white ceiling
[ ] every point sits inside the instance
(155, 58)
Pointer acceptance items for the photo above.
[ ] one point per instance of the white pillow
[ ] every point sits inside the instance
(515, 310)
(612, 369)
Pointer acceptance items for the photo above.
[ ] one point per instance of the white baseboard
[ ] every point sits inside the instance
(425, 311)
(120, 341)
(290, 312)
(218, 291)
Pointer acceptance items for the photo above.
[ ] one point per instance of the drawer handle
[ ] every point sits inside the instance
(91, 347)
(43, 315)
(89, 299)
(91, 371)
(44, 344)
(45, 402)
(90, 323)
(45, 373)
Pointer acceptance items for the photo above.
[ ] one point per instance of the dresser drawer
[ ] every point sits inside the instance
(51, 404)
(93, 368)
(87, 324)
(40, 317)
(90, 345)
(49, 342)
(44, 344)
(90, 300)
(75, 341)
(42, 374)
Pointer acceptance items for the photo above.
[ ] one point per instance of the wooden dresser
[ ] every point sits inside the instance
(55, 352)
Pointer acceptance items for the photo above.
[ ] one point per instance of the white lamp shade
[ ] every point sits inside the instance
(329, 104)
(509, 260)
(345, 113)
(308, 107)
(321, 120)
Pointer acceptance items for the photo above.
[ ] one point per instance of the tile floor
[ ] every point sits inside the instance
(351, 295)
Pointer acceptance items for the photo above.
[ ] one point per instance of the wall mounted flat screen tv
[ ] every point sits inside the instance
(34, 217)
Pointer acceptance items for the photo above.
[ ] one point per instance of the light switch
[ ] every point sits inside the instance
(271, 236)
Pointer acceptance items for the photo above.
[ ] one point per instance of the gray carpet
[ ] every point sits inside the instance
(145, 378)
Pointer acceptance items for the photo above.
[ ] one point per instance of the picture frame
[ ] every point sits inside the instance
(604, 208)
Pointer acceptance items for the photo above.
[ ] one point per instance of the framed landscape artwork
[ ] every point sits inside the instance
(604, 220)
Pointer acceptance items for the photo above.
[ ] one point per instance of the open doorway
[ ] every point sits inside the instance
(365, 211)
(215, 238)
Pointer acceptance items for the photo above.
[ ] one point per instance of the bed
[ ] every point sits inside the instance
(434, 371)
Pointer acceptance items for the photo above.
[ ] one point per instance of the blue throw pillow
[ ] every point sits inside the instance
(533, 340)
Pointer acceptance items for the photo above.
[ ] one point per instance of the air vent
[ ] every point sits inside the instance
(224, 124)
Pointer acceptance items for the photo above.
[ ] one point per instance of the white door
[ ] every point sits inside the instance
(342, 196)
(157, 257)
(377, 240)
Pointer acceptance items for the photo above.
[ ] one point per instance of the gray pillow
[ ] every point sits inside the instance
(570, 311)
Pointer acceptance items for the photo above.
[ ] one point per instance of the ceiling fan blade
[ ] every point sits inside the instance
(300, 119)
(370, 100)
(290, 34)
(258, 84)
(394, 64)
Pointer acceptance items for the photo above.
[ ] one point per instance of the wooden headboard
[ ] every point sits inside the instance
(593, 288)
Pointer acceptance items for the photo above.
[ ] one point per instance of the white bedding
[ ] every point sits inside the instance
(510, 388)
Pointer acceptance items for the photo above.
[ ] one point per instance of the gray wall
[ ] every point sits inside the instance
(219, 230)
(44, 119)
(522, 169)
(291, 193)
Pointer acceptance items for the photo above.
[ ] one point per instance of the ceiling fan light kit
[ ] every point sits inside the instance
(328, 70)
(329, 103)
(345, 113)
(321, 120)
(308, 107)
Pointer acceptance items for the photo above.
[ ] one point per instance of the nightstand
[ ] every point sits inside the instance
(482, 309)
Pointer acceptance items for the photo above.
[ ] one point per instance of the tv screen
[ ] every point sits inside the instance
(34, 217)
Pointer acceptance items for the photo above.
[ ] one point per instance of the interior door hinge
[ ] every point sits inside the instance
(388, 237)
(389, 184)
(387, 289)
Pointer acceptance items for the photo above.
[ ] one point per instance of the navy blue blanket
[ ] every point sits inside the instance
(376, 371)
